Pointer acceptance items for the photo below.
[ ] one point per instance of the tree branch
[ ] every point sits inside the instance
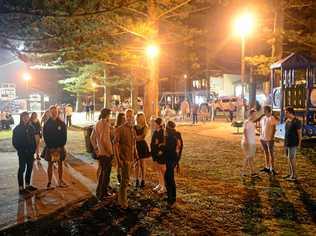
(174, 8)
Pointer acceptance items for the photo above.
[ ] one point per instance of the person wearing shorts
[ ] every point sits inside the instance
(292, 140)
(268, 126)
(248, 143)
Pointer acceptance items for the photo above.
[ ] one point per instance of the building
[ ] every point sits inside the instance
(7, 91)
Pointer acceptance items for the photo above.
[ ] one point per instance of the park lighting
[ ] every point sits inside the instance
(152, 50)
(26, 76)
(244, 24)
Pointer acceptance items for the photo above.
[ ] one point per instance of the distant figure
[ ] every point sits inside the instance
(204, 111)
(101, 139)
(195, 109)
(55, 137)
(3, 120)
(292, 140)
(38, 131)
(268, 127)
(24, 141)
(120, 120)
(185, 109)
(68, 111)
(91, 111)
(248, 143)
(87, 110)
(231, 110)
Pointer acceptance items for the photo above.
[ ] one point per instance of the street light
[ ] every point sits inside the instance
(94, 85)
(152, 50)
(185, 76)
(27, 77)
(243, 27)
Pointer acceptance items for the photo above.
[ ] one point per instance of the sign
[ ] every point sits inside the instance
(313, 97)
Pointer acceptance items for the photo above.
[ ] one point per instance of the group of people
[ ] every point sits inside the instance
(126, 142)
(292, 140)
(26, 140)
(6, 120)
(89, 110)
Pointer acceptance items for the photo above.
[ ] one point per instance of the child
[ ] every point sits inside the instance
(248, 143)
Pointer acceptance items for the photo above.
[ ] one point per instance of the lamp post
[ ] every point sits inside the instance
(94, 85)
(151, 91)
(243, 26)
(185, 76)
(27, 77)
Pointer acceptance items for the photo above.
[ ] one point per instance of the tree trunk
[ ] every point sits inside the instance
(151, 87)
(77, 102)
(278, 26)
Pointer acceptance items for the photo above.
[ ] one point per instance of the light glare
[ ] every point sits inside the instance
(152, 50)
(26, 76)
(244, 24)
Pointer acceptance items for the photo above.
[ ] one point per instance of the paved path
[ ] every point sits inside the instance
(15, 209)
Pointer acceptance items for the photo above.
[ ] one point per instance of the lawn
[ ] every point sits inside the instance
(5, 134)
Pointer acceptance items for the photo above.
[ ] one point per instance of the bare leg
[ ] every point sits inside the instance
(50, 171)
(142, 169)
(60, 171)
(293, 167)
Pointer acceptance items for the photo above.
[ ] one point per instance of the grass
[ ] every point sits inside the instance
(5, 134)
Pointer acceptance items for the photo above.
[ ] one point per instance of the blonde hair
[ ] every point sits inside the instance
(143, 119)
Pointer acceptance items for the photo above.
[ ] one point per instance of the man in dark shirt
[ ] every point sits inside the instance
(24, 141)
(292, 140)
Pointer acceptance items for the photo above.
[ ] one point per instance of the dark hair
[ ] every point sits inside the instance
(119, 119)
(158, 121)
(267, 109)
(252, 110)
(290, 110)
(25, 113)
(105, 113)
(171, 125)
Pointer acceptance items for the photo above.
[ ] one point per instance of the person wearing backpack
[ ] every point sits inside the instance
(173, 150)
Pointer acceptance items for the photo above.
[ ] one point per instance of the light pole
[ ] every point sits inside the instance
(94, 86)
(185, 76)
(243, 26)
(151, 91)
(27, 77)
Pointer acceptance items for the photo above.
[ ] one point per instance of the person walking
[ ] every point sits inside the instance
(292, 140)
(195, 109)
(157, 152)
(91, 107)
(268, 126)
(87, 110)
(101, 140)
(68, 111)
(24, 141)
(120, 120)
(38, 131)
(125, 140)
(55, 137)
(231, 109)
(248, 143)
(141, 129)
(173, 149)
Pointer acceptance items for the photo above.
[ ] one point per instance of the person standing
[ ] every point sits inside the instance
(185, 109)
(231, 109)
(101, 140)
(173, 149)
(141, 129)
(126, 144)
(87, 110)
(120, 120)
(68, 111)
(268, 126)
(248, 143)
(38, 131)
(91, 107)
(55, 137)
(24, 141)
(157, 153)
(292, 140)
(195, 109)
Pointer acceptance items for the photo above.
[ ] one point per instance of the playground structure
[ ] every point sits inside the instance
(293, 83)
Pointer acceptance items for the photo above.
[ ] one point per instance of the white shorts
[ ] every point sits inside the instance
(249, 149)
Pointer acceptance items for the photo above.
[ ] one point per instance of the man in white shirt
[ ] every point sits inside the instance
(68, 111)
(268, 126)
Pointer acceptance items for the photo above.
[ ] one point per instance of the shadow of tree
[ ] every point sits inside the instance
(309, 203)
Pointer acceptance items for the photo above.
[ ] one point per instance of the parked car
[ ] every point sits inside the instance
(223, 103)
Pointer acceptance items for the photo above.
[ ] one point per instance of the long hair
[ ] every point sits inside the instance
(120, 119)
(141, 116)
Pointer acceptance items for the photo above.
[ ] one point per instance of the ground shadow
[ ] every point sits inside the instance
(251, 212)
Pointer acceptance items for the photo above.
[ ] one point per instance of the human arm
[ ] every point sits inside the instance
(299, 133)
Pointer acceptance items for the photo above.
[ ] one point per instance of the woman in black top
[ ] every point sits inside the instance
(38, 130)
(157, 153)
(141, 130)
(55, 137)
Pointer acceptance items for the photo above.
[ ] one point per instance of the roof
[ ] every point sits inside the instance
(293, 61)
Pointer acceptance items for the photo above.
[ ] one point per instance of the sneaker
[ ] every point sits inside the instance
(62, 184)
(22, 191)
(157, 188)
(286, 176)
(292, 179)
(265, 169)
(272, 172)
(142, 184)
(162, 191)
(30, 188)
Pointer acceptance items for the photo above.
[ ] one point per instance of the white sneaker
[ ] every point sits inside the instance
(157, 188)
(162, 191)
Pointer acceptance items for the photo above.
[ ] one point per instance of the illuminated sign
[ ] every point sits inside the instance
(313, 97)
